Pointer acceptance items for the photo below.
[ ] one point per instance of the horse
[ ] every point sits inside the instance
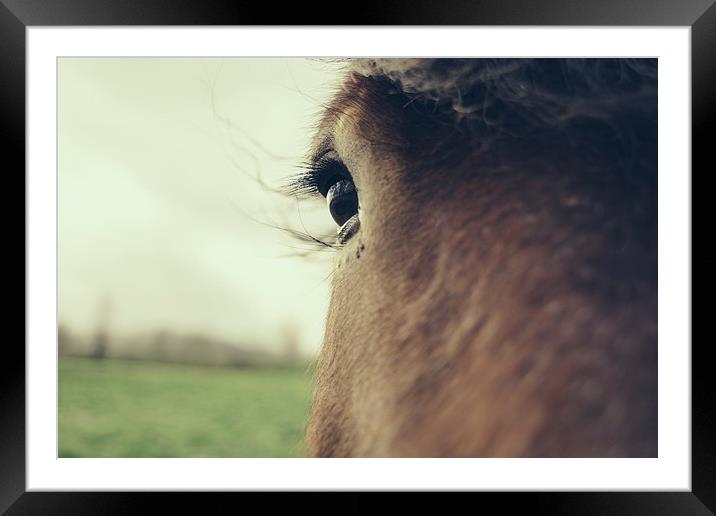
(494, 286)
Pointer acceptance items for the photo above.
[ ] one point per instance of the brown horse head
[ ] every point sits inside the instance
(495, 290)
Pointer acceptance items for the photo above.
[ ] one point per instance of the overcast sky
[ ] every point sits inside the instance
(156, 196)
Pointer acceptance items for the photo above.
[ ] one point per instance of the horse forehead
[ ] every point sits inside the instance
(436, 79)
(358, 109)
(373, 97)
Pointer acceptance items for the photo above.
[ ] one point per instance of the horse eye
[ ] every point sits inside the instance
(342, 200)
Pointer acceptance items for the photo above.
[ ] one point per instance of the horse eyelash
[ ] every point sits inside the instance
(307, 183)
(303, 184)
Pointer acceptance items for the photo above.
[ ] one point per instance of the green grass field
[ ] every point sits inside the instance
(113, 408)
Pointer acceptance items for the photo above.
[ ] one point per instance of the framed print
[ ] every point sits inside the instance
(438, 249)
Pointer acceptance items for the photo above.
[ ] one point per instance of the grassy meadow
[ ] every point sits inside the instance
(115, 408)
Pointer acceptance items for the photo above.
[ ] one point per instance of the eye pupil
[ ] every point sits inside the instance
(342, 200)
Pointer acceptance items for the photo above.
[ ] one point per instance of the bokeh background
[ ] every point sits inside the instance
(188, 321)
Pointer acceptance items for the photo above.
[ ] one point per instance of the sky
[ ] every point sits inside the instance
(160, 215)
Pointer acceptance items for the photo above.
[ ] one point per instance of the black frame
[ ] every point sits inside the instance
(16, 15)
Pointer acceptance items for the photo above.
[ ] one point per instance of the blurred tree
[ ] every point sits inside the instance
(291, 343)
(162, 341)
(64, 340)
(101, 338)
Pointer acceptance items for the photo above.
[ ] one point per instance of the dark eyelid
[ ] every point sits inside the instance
(326, 171)
(322, 166)
(322, 154)
(318, 174)
(323, 148)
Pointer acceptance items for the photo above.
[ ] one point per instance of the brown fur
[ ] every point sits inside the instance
(488, 306)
